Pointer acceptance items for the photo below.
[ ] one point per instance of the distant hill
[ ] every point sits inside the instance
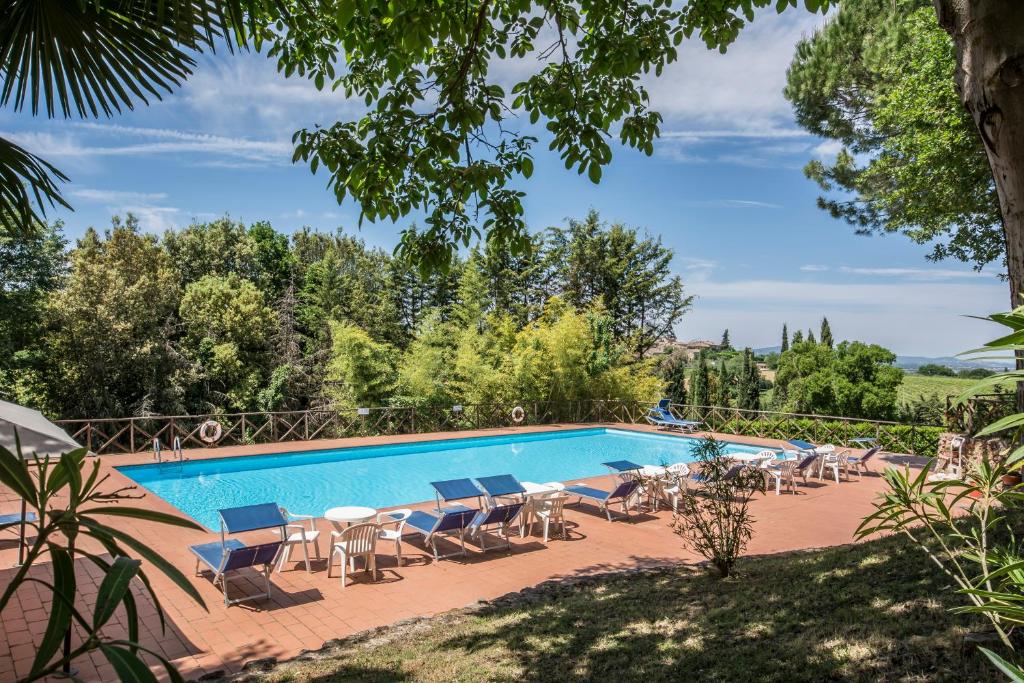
(914, 362)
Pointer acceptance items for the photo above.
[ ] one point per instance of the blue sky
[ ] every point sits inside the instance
(724, 189)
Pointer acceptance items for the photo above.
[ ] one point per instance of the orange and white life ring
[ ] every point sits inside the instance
(210, 431)
(518, 414)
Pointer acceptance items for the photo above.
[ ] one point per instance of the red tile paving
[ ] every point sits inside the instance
(308, 609)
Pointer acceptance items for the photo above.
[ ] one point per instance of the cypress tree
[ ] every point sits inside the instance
(748, 388)
(785, 339)
(826, 333)
(798, 337)
(810, 337)
(675, 378)
(725, 345)
(700, 382)
(723, 388)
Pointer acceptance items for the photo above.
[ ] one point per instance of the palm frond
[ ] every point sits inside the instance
(94, 57)
(27, 186)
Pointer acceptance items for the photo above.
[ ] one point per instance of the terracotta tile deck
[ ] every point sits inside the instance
(308, 609)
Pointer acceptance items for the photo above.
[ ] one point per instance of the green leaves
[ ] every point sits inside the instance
(60, 609)
(113, 588)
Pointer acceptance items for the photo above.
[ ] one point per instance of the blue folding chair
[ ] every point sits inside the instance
(660, 416)
(495, 518)
(453, 490)
(623, 492)
(448, 522)
(231, 555)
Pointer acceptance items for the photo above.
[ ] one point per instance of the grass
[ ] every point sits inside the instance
(917, 386)
(872, 611)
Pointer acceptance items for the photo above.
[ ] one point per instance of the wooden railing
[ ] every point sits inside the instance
(136, 434)
(894, 437)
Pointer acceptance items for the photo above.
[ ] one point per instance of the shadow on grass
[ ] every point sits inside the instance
(873, 611)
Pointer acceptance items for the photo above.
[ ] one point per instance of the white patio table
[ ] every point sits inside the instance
(533, 492)
(349, 515)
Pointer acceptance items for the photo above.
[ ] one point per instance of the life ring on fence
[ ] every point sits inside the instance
(518, 414)
(210, 431)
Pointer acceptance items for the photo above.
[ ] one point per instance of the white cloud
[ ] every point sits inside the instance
(109, 196)
(813, 268)
(917, 273)
(740, 90)
(153, 141)
(155, 219)
(827, 150)
(733, 204)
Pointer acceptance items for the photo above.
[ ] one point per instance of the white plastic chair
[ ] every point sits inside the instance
(829, 458)
(551, 509)
(356, 541)
(396, 519)
(298, 534)
(674, 486)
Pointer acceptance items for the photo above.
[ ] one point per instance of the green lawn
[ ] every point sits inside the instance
(875, 611)
(916, 386)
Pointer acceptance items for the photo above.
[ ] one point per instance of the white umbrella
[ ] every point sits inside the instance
(39, 437)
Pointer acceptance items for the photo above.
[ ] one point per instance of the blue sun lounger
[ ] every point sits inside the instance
(497, 517)
(501, 485)
(623, 492)
(661, 417)
(453, 490)
(802, 445)
(231, 555)
(449, 522)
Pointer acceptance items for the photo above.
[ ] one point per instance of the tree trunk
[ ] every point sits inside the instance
(989, 40)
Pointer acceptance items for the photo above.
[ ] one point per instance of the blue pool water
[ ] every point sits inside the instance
(380, 476)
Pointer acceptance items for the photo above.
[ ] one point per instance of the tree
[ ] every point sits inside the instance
(936, 370)
(798, 337)
(878, 79)
(108, 326)
(700, 382)
(631, 276)
(725, 344)
(748, 388)
(826, 333)
(673, 371)
(785, 340)
(361, 371)
(228, 328)
(852, 380)
(810, 336)
(32, 266)
(723, 387)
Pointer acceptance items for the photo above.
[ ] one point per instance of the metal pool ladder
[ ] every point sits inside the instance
(176, 451)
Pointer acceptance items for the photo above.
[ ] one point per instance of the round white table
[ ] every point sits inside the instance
(652, 471)
(534, 489)
(350, 514)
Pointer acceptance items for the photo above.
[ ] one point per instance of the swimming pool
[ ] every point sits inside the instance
(310, 482)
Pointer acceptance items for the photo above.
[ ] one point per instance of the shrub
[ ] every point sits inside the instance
(716, 521)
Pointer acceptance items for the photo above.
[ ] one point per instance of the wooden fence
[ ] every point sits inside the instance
(136, 434)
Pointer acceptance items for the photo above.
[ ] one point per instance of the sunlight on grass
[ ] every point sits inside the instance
(865, 612)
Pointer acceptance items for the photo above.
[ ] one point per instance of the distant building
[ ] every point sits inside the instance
(688, 350)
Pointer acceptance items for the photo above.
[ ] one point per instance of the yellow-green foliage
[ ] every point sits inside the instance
(361, 371)
(564, 355)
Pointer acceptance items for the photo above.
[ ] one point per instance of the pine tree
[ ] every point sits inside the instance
(785, 339)
(826, 333)
(700, 382)
(810, 337)
(725, 345)
(798, 337)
